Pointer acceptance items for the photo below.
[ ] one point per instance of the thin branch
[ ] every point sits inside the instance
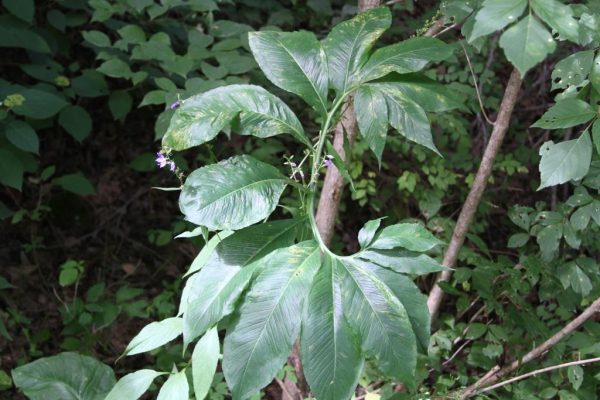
(489, 121)
(474, 197)
(538, 371)
(495, 374)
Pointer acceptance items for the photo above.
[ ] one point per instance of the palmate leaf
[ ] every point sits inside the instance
(210, 294)
(231, 194)
(376, 103)
(258, 343)
(295, 62)
(414, 302)
(411, 55)
(379, 319)
(348, 44)
(331, 354)
(246, 109)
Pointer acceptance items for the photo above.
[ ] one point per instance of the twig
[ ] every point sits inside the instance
(474, 197)
(489, 121)
(495, 374)
(537, 371)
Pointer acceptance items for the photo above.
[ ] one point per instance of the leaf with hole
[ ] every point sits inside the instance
(566, 114)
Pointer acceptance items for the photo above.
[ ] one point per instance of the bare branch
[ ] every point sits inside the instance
(474, 197)
(495, 374)
(538, 371)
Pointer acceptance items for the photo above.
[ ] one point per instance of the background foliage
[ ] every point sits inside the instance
(89, 255)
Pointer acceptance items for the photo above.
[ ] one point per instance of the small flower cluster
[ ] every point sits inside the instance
(328, 160)
(162, 160)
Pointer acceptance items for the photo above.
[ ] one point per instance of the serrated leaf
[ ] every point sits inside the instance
(573, 70)
(566, 114)
(495, 15)
(133, 386)
(66, 376)
(413, 237)
(22, 136)
(295, 62)
(204, 362)
(380, 320)
(154, 335)
(232, 194)
(211, 294)
(562, 162)
(367, 232)
(348, 44)
(372, 116)
(258, 343)
(404, 262)
(175, 388)
(558, 16)
(247, 109)
(411, 55)
(527, 43)
(581, 217)
(331, 356)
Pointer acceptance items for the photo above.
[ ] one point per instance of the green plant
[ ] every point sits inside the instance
(270, 285)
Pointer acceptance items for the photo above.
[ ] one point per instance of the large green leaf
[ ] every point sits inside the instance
(67, 376)
(429, 94)
(155, 335)
(232, 194)
(348, 44)
(411, 55)
(175, 388)
(414, 302)
(527, 43)
(295, 62)
(331, 355)
(372, 116)
(133, 386)
(22, 135)
(380, 320)
(405, 116)
(258, 343)
(204, 362)
(246, 109)
(40, 104)
(404, 262)
(15, 33)
(559, 16)
(210, 294)
(495, 15)
(572, 70)
(566, 114)
(562, 162)
(413, 237)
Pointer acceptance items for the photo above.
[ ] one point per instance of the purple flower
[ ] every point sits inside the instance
(175, 105)
(328, 160)
(293, 164)
(161, 160)
(172, 166)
